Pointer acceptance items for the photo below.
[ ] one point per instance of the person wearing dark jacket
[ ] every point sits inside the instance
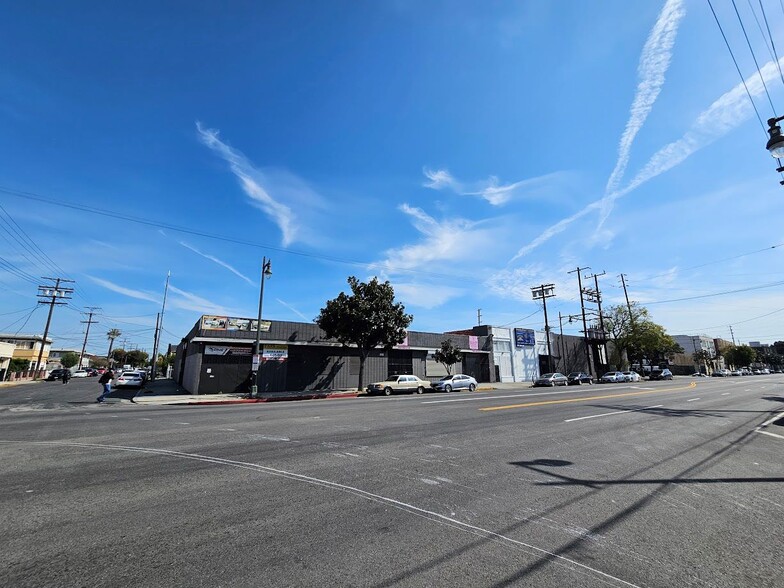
(106, 381)
(66, 376)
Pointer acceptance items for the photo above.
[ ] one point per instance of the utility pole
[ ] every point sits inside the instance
(582, 308)
(732, 335)
(628, 305)
(478, 316)
(124, 344)
(89, 322)
(158, 329)
(49, 295)
(542, 293)
(601, 316)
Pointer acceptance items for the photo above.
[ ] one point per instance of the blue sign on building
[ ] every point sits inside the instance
(524, 337)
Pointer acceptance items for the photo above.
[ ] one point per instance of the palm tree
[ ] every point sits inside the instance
(112, 335)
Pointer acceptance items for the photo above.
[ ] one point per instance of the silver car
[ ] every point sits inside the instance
(613, 377)
(554, 379)
(455, 382)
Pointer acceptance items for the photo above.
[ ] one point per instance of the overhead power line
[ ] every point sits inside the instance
(227, 239)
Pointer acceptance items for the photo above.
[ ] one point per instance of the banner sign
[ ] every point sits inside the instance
(265, 326)
(473, 343)
(524, 337)
(237, 324)
(232, 323)
(275, 353)
(224, 350)
(211, 322)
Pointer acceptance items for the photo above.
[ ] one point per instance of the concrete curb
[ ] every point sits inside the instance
(216, 401)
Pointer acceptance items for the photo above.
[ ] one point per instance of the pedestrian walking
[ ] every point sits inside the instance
(106, 382)
(66, 376)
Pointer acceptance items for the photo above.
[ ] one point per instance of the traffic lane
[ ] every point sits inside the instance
(54, 395)
(469, 474)
(358, 537)
(500, 500)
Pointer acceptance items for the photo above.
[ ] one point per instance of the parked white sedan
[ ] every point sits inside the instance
(129, 380)
(80, 374)
(629, 377)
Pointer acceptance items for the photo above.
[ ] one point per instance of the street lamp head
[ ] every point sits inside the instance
(268, 269)
(775, 144)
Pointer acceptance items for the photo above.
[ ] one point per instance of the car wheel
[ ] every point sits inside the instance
(471, 387)
(448, 388)
(388, 391)
(420, 390)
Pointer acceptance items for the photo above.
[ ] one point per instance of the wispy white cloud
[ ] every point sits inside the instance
(654, 61)
(253, 182)
(130, 292)
(427, 294)
(219, 262)
(440, 178)
(450, 240)
(294, 310)
(189, 301)
(490, 189)
(725, 114)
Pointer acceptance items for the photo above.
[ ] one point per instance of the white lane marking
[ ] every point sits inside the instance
(771, 419)
(405, 507)
(692, 399)
(485, 398)
(227, 429)
(353, 454)
(182, 423)
(771, 434)
(725, 393)
(593, 416)
(145, 419)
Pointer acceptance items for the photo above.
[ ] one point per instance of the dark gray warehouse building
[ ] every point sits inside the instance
(216, 357)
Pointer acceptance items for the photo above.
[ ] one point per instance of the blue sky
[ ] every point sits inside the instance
(465, 151)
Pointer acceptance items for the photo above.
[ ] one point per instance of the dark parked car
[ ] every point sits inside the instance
(577, 378)
(555, 379)
(56, 374)
(664, 374)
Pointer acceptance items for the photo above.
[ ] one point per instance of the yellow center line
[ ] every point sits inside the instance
(544, 402)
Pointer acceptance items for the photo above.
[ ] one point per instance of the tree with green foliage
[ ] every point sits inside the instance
(637, 336)
(118, 355)
(702, 357)
(69, 359)
(448, 355)
(18, 365)
(112, 335)
(99, 362)
(740, 355)
(137, 358)
(369, 317)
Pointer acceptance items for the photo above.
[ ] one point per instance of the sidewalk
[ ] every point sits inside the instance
(168, 392)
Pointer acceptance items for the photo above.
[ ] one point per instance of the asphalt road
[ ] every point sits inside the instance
(649, 484)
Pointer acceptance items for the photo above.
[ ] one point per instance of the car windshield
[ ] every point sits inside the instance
(575, 374)
(445, 378)
(548, 375)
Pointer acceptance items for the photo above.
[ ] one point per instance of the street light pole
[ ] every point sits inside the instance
(266, 271)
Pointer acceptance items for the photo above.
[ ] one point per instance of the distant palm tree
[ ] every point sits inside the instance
(112, 335)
